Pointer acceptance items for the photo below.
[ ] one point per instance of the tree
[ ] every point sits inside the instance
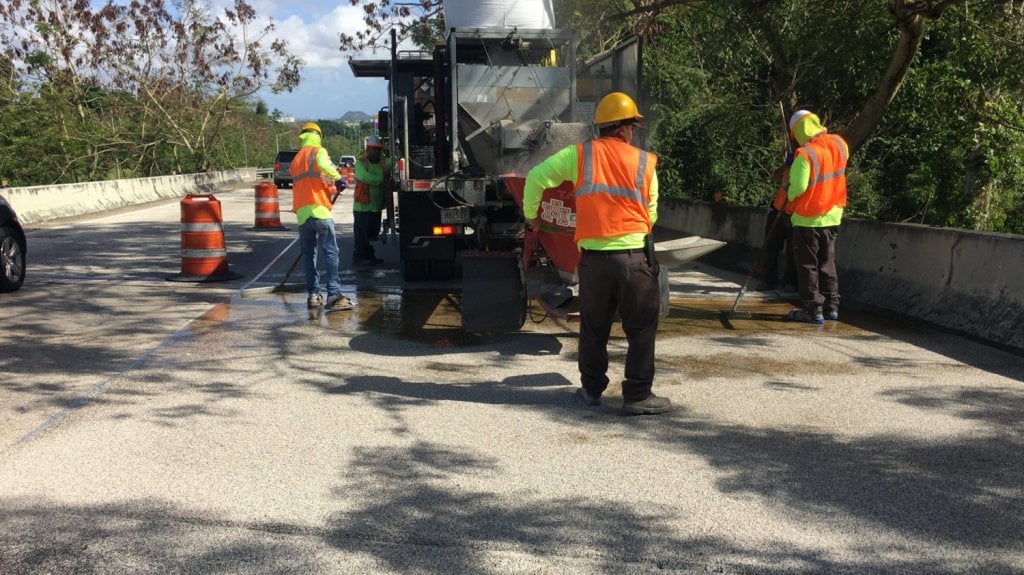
(190, 70)
(424, 24)
(136, 82)
(926, 92)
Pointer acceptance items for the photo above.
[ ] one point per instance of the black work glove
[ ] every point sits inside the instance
(340, 185)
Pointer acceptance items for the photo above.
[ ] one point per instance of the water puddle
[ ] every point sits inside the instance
(433, 318)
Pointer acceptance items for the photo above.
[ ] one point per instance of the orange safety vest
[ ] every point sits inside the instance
(827, 155)
(613, 189)
(362, 191)
(782, 193)
(308, 187)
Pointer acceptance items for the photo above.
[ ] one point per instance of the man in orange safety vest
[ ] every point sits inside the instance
(312, 204)
(817, 194)
(616, 191)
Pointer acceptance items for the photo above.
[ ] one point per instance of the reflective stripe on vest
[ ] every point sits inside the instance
(588, 186)
(826, 189)
(308, 187)
(310, 169)
(613, 191)
(816, 163)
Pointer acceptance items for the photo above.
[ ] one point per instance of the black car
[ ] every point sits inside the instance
(12, 249)
(282, 163)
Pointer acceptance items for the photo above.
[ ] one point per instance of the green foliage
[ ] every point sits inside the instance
(949, 150)
(143, 93)
(344, 138)
(716, 132)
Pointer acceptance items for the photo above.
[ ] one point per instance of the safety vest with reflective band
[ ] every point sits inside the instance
(613, 189)
(826, 154)
(308, 186)
(370, 194)
(780, 195)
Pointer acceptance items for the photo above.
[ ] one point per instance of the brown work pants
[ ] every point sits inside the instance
(611, 281)
(814, 250)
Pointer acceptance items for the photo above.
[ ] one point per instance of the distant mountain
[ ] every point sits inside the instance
(356, 117)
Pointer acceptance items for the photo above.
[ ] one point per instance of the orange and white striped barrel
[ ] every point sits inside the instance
(268, 210)
(204, 254)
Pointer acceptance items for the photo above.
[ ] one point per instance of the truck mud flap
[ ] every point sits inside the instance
(493, 292)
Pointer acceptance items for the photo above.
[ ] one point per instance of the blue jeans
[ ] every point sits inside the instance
(320, 234)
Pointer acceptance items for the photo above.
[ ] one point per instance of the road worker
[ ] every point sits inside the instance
(616, 190)
(372, 173)
(778, 231)
(817, 192)
(312, 204)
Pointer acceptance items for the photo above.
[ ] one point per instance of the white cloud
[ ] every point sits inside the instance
(316, 40)
(311, 29)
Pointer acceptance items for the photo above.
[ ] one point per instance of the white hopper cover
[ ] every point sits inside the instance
(499, 14)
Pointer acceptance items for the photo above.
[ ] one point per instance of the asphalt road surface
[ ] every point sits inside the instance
(151, 426)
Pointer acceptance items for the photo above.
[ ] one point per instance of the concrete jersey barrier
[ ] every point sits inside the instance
(964, 280)
(968, 281)
(41, 203)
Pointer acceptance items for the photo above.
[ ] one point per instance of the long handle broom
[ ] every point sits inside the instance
(246, 292)
(761, 253)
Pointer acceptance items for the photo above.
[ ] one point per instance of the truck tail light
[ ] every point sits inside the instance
(444, 230)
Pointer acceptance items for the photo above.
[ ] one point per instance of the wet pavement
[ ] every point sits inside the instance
(152, 427)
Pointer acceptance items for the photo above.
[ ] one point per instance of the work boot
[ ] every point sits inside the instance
(653, 404)
(587, 399)
(832, 312)
(338, 302)
(807, 316)
(315, 301)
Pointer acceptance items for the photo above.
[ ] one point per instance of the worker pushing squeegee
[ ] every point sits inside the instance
(817, 192)
(817, 197)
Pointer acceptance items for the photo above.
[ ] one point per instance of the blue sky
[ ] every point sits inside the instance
(328, 89)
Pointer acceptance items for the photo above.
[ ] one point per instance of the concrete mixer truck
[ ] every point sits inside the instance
(464, 123)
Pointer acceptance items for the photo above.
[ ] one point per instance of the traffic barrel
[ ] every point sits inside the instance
(268, 210)
(204, 254)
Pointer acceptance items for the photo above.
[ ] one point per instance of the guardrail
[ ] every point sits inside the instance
(41, 203)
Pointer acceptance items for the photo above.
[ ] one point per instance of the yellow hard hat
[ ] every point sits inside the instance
(312, 127)
(616, 107)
